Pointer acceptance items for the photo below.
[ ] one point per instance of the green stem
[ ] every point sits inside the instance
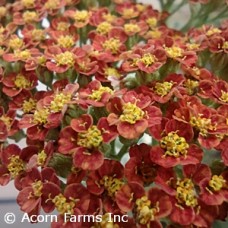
(122, 152)
(177, 7)
(220, 15)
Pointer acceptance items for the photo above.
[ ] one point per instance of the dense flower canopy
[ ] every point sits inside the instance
(106, 108)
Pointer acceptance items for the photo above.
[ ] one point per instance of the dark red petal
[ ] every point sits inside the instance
(86, 160)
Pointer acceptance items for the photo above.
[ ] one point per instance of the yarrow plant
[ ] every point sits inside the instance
(104, 108)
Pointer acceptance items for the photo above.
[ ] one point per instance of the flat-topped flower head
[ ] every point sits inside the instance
(104, 28)
(63, 206)
(51, 5)
(21, 82)
(186, 193)
(152, 21)
(147, 207)
(90, 138)
(81, 16)
(30, 16)
(174, 145)
(17, 83)
(6, 120)
(111, 185)
(28, 3)
(202, 124)
(148, 59)
(16, 43)
(145, 58)
(60, 99)
(163, 89)
(131, 113)
(23, 55)
(65, 41)
(40, 116)
(144, 210)
(65, 58)
(37, 187)
(112, 45)
(224, 96)
(213, 31)
(131, 28)
(217, 183)
(28, 105)
(174, 52)
(97, 94)
(16, 165)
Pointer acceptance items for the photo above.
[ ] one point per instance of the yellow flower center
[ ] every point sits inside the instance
(217, 182)
(131, 113)
(225, 45)
(28, 3)
(65, 58)
(174, 145)
(112, 45)
(148, 59)
(130, 27)
(213, 31)
(37, 187)
(3, 11)
(23, 55)
(154, 34)
(52, 4)
(128, 13)
(185, 193)
(104, 27)
(191, 85)
(163, 89)
(141, 7)
(196, 70)
(62, 26)
(16, 43)
(111, 185)
(97, 94)
(21, 82)
(192, 46)
(30, 16)
(174, 52)
(16, 166)
(41, 158)
(41, 60)
(40, 116)
(91, 138)
(145, 212)
(109, 17)
(106, 222)
(29, 105)
(62, 206)
(152, 21)
(110, 71)
(38, 34)
(2, 29)
(2, 50)
(202, 124)
(224, 97)
(59, 101)
(81, 16)
(6, 120)
(65, 41)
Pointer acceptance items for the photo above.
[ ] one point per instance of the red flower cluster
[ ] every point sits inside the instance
(118, 112)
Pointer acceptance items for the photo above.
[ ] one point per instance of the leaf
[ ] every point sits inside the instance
(61, 164)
